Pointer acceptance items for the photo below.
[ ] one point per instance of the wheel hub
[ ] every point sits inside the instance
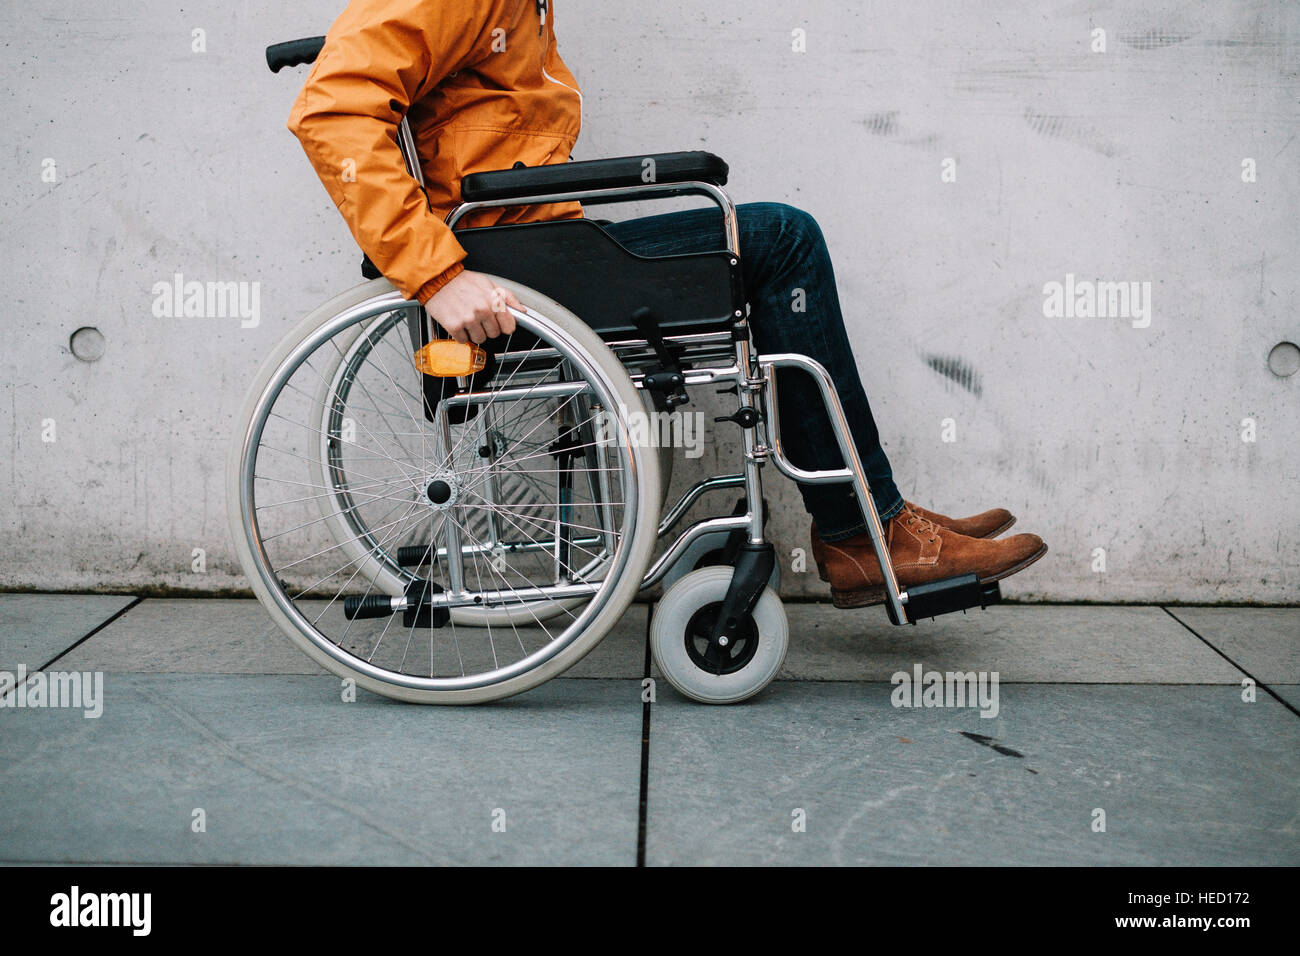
(718, 657)
(442, 491)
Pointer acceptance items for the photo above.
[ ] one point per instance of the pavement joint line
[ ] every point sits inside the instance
(645, 748)
(87, 636)
(91, 633)
(1258, 683)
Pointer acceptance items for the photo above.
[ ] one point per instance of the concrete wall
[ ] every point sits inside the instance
(1121, 165)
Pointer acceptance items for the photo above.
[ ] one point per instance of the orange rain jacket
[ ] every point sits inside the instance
(483, 87)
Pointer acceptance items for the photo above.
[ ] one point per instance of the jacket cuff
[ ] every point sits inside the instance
(427, 290)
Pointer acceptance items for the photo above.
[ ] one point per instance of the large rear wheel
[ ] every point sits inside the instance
(375, 524)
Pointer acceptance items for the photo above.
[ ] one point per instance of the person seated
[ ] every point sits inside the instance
(483, 87)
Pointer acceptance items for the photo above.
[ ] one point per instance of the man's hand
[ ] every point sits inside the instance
(471, 308)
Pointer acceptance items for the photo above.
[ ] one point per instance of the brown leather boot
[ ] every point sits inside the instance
(986, 524)
(921, 551)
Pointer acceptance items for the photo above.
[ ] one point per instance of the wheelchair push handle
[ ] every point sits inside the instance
(293, 53)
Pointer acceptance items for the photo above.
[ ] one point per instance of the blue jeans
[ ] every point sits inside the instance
(782, 252)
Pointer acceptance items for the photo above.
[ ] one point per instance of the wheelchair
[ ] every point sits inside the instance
(460, 538)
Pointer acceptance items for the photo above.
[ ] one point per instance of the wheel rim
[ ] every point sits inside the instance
(614, 527)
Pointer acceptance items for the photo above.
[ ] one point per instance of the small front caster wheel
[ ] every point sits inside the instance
(702, 670)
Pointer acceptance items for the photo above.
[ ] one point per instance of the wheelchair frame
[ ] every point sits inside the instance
(753, 376)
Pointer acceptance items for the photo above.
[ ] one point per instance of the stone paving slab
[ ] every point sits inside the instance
(36, 628)
(1071, 644)
(200, 636)
(1025, 643)
(1263, 640)
(1185, 775)
(192, 636)
(207, 705)
(287, 773)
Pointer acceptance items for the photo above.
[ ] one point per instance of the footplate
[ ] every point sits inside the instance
(946, 596)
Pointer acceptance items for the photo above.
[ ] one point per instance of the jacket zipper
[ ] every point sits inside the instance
(546, 45)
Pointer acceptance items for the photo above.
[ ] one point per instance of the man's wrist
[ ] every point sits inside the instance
(430, 288)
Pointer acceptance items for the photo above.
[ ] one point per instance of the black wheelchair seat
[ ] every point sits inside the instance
(618, 173)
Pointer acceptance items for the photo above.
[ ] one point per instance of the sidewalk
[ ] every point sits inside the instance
(211, 715)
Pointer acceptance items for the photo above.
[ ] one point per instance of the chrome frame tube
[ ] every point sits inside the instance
(853, 472)
(523, 547)
(517, 596)
(493, 492)
(670, 557)
(451, 528)
(602, 491)
(562, 512)
(701, 376)
(755, 452)
(694, 494)
(406, 143)
(517, 393)
(694, 346)
(620, 194)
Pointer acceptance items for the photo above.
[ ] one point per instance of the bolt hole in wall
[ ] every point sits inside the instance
(1284, 359)
(88, 344)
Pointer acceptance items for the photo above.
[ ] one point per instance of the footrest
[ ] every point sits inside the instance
(948, 595)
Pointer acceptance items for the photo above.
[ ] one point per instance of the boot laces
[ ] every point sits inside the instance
(922, 526)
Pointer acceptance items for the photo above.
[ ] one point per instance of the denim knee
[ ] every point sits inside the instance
(790, 221)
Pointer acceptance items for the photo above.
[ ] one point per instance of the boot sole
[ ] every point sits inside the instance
(821, 568)
(1016, 568)
(868, 597)
(1005, 528)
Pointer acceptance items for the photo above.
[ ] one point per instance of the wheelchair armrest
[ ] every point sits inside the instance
(622, 172)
